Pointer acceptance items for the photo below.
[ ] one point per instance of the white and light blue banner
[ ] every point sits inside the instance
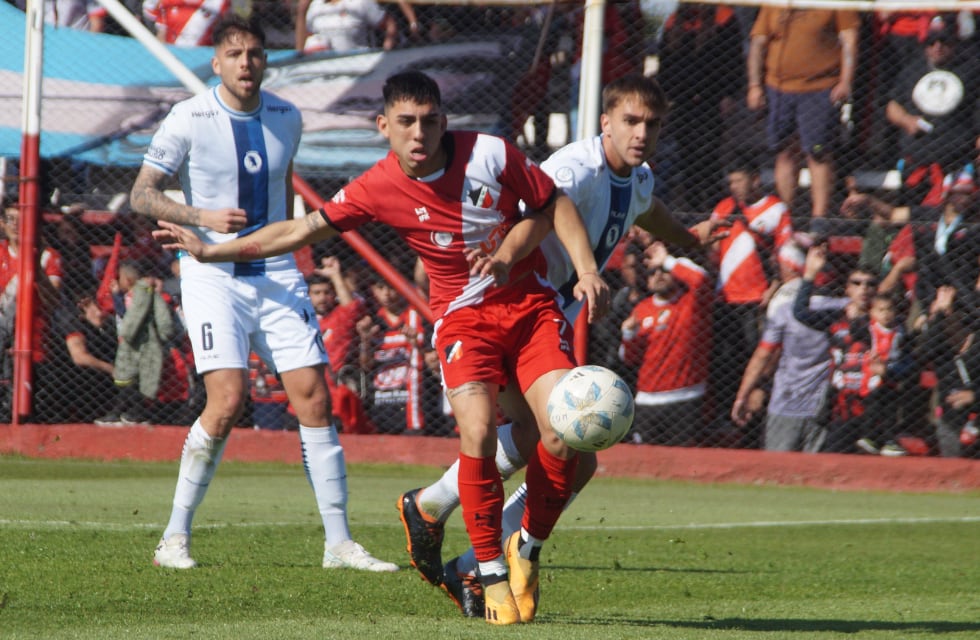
(104, 95)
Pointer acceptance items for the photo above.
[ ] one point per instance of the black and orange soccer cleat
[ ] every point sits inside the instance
(424, 538)
(464, 589)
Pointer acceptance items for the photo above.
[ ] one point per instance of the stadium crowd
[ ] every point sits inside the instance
(873, 292)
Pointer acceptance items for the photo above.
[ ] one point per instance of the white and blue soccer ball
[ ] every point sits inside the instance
(591, 408)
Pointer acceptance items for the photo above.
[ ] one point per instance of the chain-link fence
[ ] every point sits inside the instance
(876, 109)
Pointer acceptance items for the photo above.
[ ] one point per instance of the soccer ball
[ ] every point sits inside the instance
(591, 408)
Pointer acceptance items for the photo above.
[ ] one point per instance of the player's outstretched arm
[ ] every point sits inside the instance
(658, 221)
(271, 240)
(573, 236)
(147, 197)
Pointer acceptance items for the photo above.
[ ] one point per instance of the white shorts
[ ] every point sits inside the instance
(271, 315)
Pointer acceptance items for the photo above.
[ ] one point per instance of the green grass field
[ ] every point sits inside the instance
(631, 559)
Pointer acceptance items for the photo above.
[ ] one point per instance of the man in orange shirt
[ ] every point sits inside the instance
(809, 56)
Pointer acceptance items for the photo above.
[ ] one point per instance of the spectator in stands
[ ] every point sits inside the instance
(185, 23)
(344, 25)
(668, 338)
(934, 104)
(950, 344)
(391, 345)
(146, 326)
(748, 272)
(871, 362)
(923, 257)
(886, 366)
(809, 58)
(702, 70)
(270, 404)
(85, 15)
(796, 419)
(628, 289)
(347, 403)
(860, 347)
(337, 309)
(76, 255)
(47, 406)
(90, 339)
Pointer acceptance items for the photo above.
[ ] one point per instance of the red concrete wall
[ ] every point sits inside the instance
(832, 471)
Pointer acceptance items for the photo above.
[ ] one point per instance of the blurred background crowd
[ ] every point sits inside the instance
(841, 146)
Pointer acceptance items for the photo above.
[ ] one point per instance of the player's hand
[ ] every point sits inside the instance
(224, 220)
(483, 265)
(175, 237)
(711, 230)
(596, 292)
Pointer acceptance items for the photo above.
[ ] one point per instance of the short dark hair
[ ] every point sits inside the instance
(316, 278)
(232, 23)
(745, 163)
(634, 84)
(411, 85)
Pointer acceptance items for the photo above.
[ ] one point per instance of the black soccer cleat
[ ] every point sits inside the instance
(464, 589)
(424, 538)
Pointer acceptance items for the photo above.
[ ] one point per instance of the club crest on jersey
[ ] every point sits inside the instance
(422, 213)
(252, 161)
(454, 351)
(564, 176)
(481, 197)
(442, 239)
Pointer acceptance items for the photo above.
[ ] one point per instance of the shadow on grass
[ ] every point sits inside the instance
(617, 568)
(789, 624)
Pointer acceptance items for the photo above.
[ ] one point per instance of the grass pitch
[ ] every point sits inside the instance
(631, 559)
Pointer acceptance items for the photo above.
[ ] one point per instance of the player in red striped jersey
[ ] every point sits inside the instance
(453, 197)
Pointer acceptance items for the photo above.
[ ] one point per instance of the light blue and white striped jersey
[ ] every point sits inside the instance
(226, 158)
(609, 206)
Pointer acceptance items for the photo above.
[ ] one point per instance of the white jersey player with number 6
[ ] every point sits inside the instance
(232, 149)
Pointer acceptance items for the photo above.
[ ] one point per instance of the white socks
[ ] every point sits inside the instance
(198, 462)
(441, 498)
(323, 461)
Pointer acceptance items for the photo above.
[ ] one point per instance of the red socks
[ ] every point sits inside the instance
(481, 494)
(549, 486)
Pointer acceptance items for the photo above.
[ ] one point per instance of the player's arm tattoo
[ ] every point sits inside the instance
(147, 198)
(313, 220)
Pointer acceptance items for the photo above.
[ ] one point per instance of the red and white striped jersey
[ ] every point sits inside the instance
(471, 203)
(51, 267)
(762, 229)
(397, 376)
(186, 23)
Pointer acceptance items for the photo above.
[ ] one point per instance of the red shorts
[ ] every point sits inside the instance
(496, 341)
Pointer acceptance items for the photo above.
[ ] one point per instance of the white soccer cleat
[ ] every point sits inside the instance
(350, 555)
(174, 553)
